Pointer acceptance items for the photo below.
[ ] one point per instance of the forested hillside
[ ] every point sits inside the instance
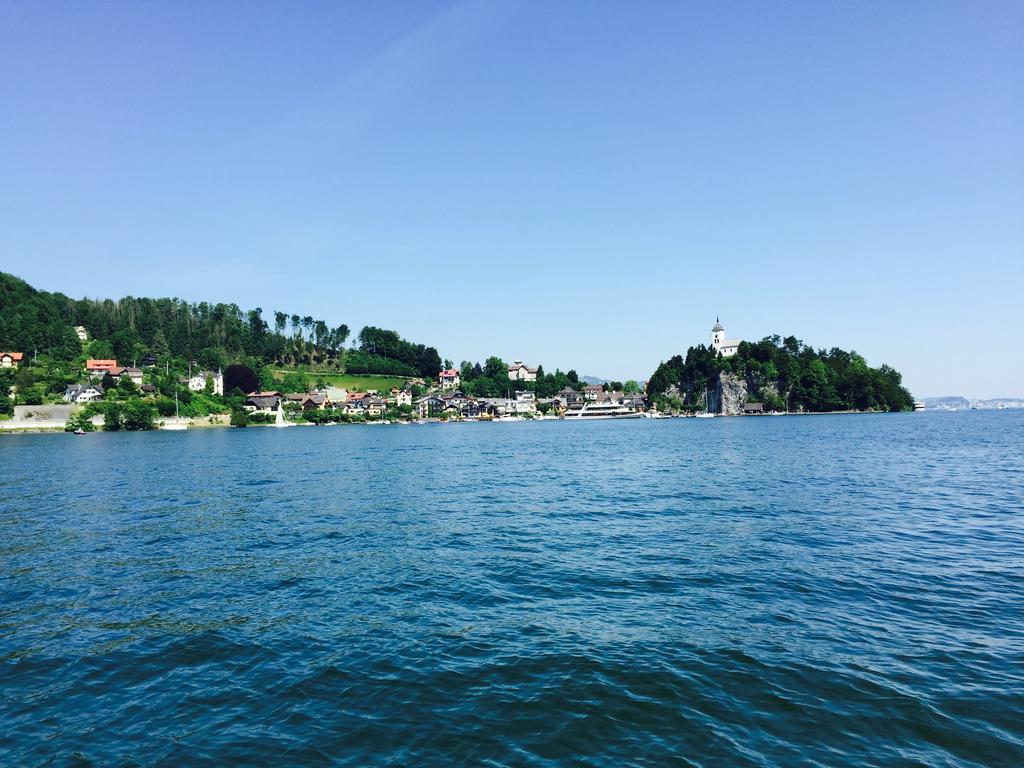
(212, 335)
(785, 374)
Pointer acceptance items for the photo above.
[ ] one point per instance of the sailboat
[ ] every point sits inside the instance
(707, 414)
(279, 418)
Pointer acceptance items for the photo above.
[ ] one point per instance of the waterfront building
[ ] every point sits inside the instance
(263, 402)
(308, 400)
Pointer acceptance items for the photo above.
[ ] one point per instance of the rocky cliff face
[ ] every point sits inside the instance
(729, 395)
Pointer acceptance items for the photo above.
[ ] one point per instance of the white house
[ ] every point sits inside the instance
(337, 395)
(520, 372)
(525, 402)
(82, 393)
(83, 335)
(449, 379)
(727, 347)
(10, 359)
(403, 397)
(135, 374)
(197, 383)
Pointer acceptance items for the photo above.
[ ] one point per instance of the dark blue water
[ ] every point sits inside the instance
(827, 591)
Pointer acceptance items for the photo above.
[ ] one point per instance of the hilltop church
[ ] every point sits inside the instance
(719, 343)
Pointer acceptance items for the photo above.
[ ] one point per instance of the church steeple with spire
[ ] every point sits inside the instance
(727, 347)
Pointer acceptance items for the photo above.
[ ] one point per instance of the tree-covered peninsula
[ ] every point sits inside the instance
(783, 374)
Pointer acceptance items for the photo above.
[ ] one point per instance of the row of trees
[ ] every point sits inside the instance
(386, 352)
(213, 335)
(491, 380)
(784, 373)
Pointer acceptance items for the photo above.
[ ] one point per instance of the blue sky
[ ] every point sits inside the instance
(584, 185)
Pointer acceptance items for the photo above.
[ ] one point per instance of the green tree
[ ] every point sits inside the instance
(161, 349)
(239, 417)
(101, 350)
(112, 416)
(79, 421)
(138, 415)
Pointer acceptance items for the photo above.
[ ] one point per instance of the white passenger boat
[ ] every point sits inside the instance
(606, 410)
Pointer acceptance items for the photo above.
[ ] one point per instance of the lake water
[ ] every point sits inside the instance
(818, 590)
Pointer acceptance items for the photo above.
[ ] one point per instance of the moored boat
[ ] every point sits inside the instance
(605, 410)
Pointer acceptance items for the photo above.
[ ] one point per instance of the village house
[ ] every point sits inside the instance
(524, 403)
(334, 394)
(591, 391)
(499, 406)
(82, 393)
(430, 405)
(449, 379)
(475, 409)
(520, 372)
(99, 368)
(197, 382)
(11, 359)
(262, 402)
(457, 398)
(376, 406)
(569, 397)
(307, 400)
(81, 333)
(356, 402)
(635, 402)
(401, 397)
(132, 374)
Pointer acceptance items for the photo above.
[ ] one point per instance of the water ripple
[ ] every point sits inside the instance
(823, 591)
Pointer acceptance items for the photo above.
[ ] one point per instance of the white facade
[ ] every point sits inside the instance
(403, 397)
(336, 394)
(198, 382)
(520, 372)
(449, 379)
(727, 347)
(82, 334)
(135, 374)
(78, 393)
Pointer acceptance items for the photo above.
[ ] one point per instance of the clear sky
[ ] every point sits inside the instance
(580, 184)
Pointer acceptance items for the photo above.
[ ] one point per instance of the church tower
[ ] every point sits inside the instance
(717, 335)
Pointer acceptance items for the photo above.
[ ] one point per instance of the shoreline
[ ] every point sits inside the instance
(22, 428)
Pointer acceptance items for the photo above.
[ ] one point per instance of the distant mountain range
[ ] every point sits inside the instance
(956, 402)
(593, 380)
(952, 401)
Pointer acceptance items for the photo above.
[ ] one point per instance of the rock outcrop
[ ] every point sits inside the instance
(729, 395)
